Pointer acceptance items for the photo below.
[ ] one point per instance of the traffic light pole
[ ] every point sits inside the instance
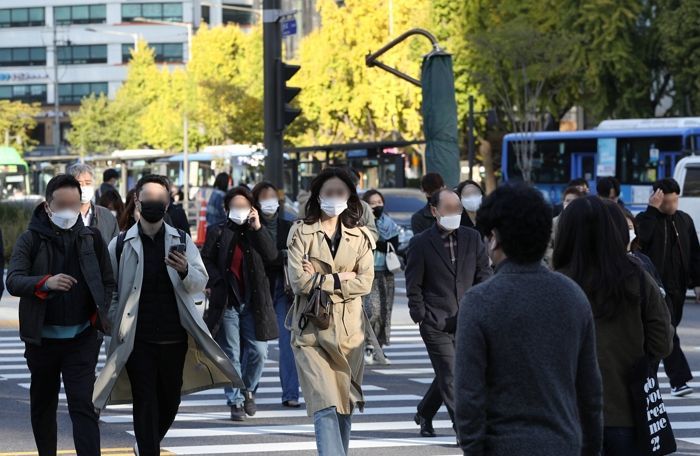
(272, 53)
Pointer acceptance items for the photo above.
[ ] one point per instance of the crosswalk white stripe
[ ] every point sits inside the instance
(263, 390)
(414, 371)
(12, 344)
(405, 346)
(293, 429)
(22, 359)
(276, 400)
(305, 446)
(214, 416)
(406, 339)
(397, 353)
(402, 361)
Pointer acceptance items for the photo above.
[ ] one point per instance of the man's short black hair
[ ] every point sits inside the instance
(153, 179)
(61, 181)
(605, 184)
(668, 185)
(431, 182)
(522, 220)
(435, 197)
(110, 174)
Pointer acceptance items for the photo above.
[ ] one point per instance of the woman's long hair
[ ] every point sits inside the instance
(352, 216)
(258, 189)
(127, 220)
(591, 248)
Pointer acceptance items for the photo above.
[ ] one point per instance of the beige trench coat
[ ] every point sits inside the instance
(206, 365)
(330, 363)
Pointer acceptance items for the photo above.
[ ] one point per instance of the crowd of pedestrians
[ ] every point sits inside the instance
(533, 317)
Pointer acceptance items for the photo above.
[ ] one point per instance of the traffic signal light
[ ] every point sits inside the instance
(285, 112)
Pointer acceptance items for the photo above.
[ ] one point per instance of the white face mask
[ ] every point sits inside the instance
(471, 203)
(450, 222)
(269, 206)
(239, 216)
(87, 193)
(114, 213)
(64, 219)
(333, 207)
(633, 236)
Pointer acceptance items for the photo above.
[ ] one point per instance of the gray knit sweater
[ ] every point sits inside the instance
(526, 375)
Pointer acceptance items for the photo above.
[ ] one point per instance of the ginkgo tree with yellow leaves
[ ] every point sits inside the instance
(342, 99)
(219, 90)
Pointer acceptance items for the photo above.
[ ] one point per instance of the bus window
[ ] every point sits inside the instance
(550, 163)
(635, 163)
(552, 159)
(691, 186)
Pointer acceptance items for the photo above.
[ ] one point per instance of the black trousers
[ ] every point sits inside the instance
(675, 364)
(441, 350)
(155, 374)
(75, 361)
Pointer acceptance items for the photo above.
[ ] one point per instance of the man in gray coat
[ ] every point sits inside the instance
(93, 215)
(526, 374)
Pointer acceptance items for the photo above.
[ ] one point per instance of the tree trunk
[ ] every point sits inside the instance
(486, 152)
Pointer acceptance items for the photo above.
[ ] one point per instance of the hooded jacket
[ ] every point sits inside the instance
(44, 250)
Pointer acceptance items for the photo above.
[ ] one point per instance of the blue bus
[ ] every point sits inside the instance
(636, 151)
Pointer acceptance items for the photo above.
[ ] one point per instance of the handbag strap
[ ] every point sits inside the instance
(390, 247)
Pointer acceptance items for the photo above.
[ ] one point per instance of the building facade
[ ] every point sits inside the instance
(65, 50)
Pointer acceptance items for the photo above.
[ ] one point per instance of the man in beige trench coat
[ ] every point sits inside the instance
(172, 333)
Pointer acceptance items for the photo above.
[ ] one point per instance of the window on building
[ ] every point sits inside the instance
(75, 55)
(26, 56)
(238, 17)
(80, 14)
(164, 52)
(21, 17)
(154, 11)
(27, 93)
(74, 92)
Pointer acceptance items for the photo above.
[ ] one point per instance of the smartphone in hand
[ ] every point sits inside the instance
(177, 248)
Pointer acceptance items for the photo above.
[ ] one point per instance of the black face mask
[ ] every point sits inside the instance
(152, 211)
(378, 211)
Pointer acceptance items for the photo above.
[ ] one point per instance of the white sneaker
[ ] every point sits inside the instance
(387, 361)
(369, 356)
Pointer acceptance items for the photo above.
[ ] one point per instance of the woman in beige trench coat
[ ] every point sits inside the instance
(330, 243)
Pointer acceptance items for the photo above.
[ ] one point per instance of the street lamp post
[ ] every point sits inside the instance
(185, 123)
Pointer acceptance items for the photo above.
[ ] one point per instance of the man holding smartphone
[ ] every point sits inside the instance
(156, 324)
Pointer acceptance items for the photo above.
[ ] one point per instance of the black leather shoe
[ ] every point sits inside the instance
(237, 413)
(249, 403)
(426, 426)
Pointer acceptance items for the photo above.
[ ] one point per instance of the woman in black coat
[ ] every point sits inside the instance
(240, 314)
(272, 216)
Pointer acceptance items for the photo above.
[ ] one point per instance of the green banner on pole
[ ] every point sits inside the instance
(440, 117)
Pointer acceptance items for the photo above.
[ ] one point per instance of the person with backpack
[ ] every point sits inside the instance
(156, 324)
(241, 316)
(61, 272)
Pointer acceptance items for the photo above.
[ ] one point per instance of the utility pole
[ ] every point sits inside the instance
(56, 106)
(272, 52)
(470, 136)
